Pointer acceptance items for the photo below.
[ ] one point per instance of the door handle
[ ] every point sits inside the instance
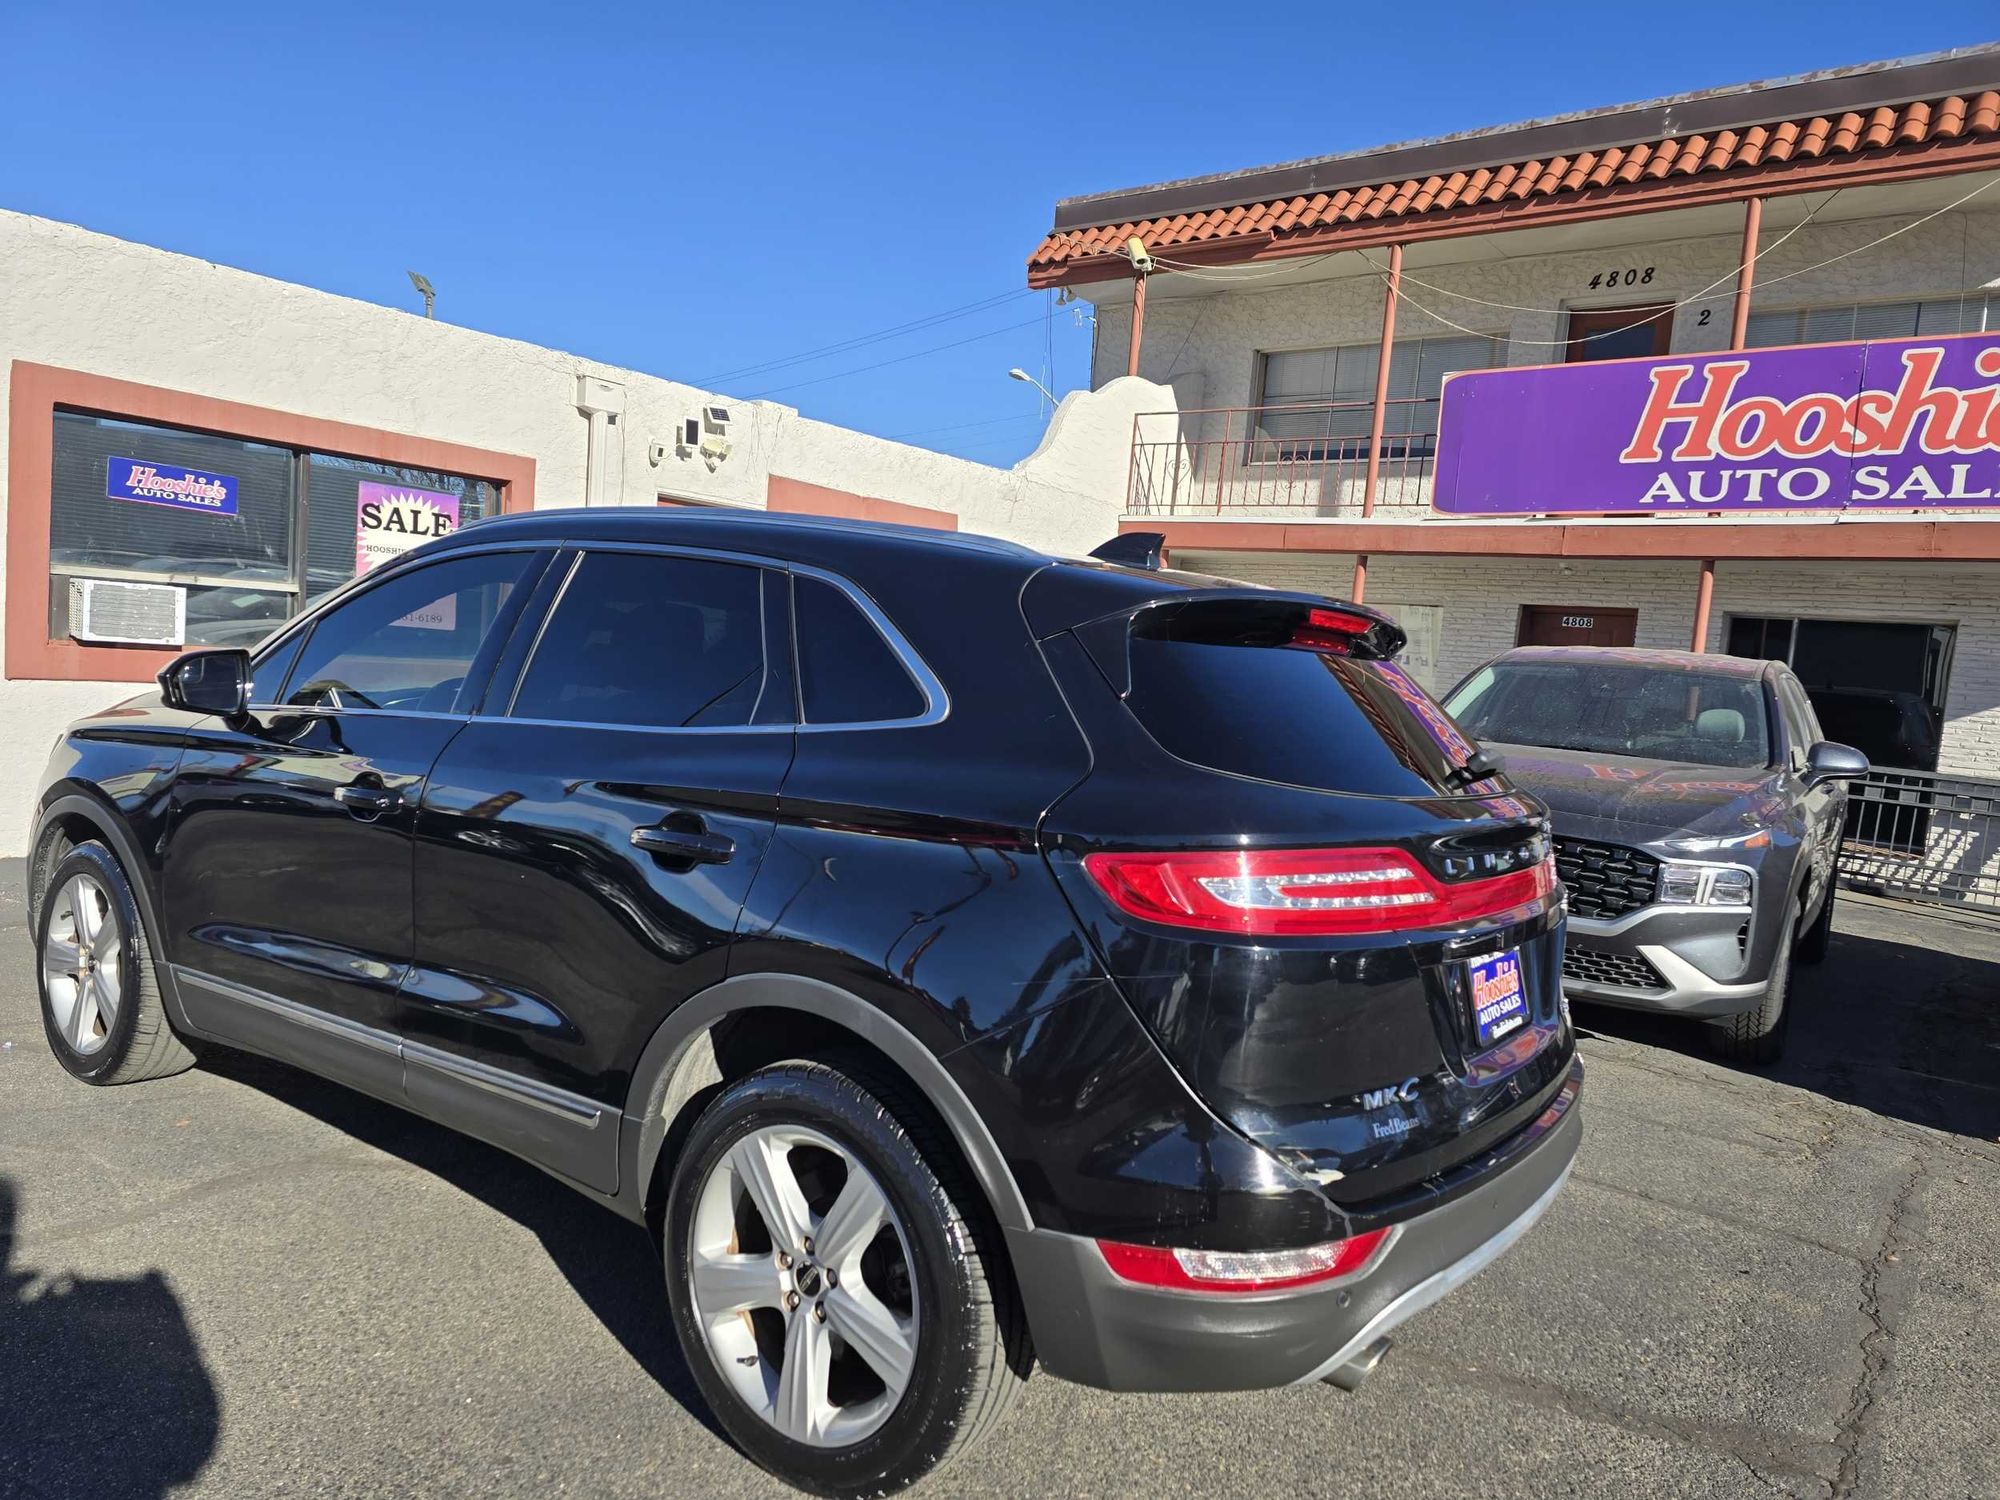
(695, 845)
(368, 801)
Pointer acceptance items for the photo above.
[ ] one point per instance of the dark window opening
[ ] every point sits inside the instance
(848, 674)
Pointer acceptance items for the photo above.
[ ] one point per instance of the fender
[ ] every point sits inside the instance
(680, 1060)
(106, 822)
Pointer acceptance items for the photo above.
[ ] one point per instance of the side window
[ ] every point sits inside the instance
(848, 674)
(409, 643)
(646, 639)
(1800, 721)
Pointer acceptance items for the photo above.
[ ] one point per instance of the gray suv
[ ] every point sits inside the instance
(1697, 816)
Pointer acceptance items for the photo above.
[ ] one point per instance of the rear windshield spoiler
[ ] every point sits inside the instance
(1239, 617)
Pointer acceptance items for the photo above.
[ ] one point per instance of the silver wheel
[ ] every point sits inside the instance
(83, 963)
(801, 1280)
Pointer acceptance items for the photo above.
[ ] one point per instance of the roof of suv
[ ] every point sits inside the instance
(1670, 661)
(789, 537)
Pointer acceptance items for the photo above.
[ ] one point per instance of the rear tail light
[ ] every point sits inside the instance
(1306, 892)
(1245, 1271)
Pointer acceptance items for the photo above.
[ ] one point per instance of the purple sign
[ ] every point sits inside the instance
(183, 489)
(1903, 425)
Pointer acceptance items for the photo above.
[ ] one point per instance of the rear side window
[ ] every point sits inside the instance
(643, 639)
(1305, 718)
(848, 674)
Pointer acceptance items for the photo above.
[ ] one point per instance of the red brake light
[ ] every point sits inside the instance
(1331, 630)
(1305, 892)
(1244, 1271)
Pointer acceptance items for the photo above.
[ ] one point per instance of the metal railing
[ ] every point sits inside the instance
(1926, 836)
(1303, 460)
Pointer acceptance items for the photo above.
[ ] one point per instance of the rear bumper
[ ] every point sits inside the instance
(1680, 951)
(1093, 1328)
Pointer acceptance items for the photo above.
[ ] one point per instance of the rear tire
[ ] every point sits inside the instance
(922, 1347)
(100, 994)
(1814, 942)
(1756, 1038)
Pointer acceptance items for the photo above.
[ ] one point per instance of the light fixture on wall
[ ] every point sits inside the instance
(423, 285)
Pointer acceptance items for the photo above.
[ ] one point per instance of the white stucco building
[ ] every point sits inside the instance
(1853, 209)
(191, 428)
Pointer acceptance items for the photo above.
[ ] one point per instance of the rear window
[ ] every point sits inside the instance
(848, 674)
(1305, 718)
(1619, 708)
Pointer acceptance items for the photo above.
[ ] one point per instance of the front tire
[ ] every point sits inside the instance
(1813, 944)
(833, 1285)
(1756, 1038)
(100, 994)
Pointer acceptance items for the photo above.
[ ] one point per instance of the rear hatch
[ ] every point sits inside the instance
(1338, 922)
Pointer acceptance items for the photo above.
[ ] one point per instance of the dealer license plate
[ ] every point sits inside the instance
(1499, 1001)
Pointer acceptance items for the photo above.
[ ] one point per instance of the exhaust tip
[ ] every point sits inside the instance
(1354, 1374)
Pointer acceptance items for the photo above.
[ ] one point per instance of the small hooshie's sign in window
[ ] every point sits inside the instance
(164, 484)
(391, 519)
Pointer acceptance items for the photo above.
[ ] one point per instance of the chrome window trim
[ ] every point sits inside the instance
(937, 700)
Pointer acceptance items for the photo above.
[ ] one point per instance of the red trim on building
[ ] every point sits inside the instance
(1874, 541)
(797, 497)
(35, 394)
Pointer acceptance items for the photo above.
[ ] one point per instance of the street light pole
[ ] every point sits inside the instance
(1017, 373)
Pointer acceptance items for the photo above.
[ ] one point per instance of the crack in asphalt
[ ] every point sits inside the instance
(1883, 1308)
(1748, 1226)
(1757, 1449)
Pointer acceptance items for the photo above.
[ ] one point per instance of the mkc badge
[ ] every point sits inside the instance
(1398, 1093)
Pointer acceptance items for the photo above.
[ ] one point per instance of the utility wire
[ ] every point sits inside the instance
(861, 341)
(882, 363)
(1020, 416)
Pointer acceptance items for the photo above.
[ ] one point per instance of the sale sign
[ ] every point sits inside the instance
(393, 518)
(1896, 425)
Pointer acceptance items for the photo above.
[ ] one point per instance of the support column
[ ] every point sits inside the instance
(1704, 594)
(1138, 321)
(1378, 414)
(1746, 272)
(1360, 590)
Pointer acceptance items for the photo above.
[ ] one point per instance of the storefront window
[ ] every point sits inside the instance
(251, 532)
(1849, 322)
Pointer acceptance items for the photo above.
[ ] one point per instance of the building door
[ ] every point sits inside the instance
(1878, 685)
(1619, 333)
(1576, 625)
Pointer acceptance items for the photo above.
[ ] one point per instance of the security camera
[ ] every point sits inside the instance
(656, 454)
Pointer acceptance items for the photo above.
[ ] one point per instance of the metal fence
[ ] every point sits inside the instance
(1287, 461)
(1925, 836)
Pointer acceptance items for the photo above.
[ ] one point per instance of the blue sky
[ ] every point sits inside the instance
(699, 190)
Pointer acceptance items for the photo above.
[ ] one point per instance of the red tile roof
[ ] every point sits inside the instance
(1746, 158)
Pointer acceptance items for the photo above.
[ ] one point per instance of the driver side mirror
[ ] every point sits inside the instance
(208, 682)
(1831, 761)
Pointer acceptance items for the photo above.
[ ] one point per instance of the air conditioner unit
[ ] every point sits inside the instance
(127, 614)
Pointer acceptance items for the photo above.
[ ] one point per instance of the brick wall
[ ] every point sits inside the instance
(1481, 599)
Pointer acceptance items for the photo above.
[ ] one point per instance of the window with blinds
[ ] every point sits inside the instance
(1852, 322)
(1317, 403)
(251, 531)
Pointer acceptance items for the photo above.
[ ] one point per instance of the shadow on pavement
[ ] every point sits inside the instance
(611, 1263)
(103, 1393)
(1907, 1026)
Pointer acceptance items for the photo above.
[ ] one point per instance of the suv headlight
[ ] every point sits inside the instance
(1689, 883)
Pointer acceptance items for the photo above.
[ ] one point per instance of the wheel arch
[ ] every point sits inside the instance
(681, 1063)
(80, 813)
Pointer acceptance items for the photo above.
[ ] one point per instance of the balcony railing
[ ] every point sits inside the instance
(1304, 461)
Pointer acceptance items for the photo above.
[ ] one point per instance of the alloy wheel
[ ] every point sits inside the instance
(83, 958)
(801, 1278)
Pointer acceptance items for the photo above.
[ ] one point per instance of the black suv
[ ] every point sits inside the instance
(955, 955)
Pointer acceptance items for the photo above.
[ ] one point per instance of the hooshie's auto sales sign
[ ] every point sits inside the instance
(1903, 425)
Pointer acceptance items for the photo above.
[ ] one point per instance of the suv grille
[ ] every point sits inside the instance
(1595, 966)
(1606, 880)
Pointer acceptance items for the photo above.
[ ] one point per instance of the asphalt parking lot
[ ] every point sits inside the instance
(246, 1282)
